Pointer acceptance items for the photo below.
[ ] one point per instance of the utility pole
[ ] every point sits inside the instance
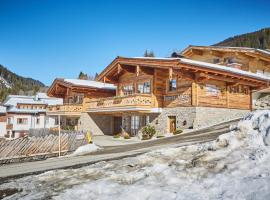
(59, 134)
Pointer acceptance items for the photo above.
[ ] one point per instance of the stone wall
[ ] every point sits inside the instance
(194, 117)
(97, 123)
(206, 116)
(185, 117)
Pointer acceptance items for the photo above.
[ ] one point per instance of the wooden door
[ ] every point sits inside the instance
(117, 123)
(172, 123)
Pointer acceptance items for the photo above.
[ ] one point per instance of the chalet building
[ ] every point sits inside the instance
(170, 94)
(75, 94)
(27, 112)
(248, 59)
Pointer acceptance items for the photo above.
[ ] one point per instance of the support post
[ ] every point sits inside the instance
(59, 136)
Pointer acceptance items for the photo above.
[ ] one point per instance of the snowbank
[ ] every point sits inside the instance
(85, 149)
(235, 166)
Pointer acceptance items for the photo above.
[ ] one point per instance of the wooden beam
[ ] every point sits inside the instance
(197, 51)
(138, 70)
(119, 68)
(216, 53)
(170, 74)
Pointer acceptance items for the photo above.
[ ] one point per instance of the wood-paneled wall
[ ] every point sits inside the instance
(210, 93)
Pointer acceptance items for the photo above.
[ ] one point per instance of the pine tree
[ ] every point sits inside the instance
(149, 54)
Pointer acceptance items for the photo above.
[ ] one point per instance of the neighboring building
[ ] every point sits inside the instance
(170, 94)
(75, 94)
(3, 121)
(28, 112)
(248, 59)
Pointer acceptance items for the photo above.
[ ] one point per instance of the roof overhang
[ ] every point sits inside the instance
(251, 79)
(250, 52)
(63, 83)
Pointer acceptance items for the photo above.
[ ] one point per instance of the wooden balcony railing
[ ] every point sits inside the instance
(132, 101)
(9, 126)
(66, 109)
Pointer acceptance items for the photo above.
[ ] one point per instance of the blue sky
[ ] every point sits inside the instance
(45, 39)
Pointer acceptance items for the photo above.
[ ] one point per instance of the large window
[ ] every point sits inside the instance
(144, 88)
(22, 121)
(172, 85)
(128, 90)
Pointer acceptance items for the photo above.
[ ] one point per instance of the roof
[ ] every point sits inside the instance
(235, 49)
(199, 64)
(92, 84)
(3, 109)
(12, 101)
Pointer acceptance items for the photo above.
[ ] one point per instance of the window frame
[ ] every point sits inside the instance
(145, 89)
(169, 85)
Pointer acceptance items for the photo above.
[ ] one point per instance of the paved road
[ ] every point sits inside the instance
(113, 152)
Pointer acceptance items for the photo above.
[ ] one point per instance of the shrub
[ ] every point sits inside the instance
(178, 131)
(117, 135)
(148, 132)
(126, 136)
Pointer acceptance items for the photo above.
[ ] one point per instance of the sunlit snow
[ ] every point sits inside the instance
(235, 166)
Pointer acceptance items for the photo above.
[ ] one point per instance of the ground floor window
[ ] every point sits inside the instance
(22, 121)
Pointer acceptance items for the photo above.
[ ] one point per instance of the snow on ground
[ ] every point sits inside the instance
(85, 149)
(235, 166)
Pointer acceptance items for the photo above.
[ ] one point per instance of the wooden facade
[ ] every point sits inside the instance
(248, 59)
(74, 97)
(171, 83)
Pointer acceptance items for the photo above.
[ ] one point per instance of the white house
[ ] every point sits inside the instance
(28, 112)
(3, 121)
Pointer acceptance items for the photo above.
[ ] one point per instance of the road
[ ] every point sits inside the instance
(114, 152)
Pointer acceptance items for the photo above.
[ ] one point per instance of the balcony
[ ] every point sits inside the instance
(66, 109)
(9, 126)
(136, 102)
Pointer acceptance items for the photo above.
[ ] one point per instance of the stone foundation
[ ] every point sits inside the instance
(97, 123)
(186, 118)
(206, 116)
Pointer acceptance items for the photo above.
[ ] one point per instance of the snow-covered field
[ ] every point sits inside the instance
(236, 166)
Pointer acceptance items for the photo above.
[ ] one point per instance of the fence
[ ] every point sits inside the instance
(36, 148)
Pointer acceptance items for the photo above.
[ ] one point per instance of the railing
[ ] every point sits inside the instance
(9, 126)
(73, 109)
(136, 100)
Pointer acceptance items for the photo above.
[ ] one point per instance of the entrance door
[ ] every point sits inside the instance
(172, 123)
(117, 123)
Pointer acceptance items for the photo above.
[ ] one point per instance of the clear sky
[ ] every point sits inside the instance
(45, 39)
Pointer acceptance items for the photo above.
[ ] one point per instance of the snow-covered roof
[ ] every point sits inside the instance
(212, 66)
(12, 101)
(224, 68)
(3, 109)
(266, 52)
(89, 83)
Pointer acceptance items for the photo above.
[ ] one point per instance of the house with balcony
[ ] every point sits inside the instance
(75, 94)
(247, 59)
(23, 113)
(169, 94)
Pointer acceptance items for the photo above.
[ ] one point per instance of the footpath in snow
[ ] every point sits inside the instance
(235, 166)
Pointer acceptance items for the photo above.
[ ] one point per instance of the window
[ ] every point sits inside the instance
(172, 85)
(216, 60)
(9, 120)
(135, 122)
(38, 120)
(22, 121)
(144, 88)
(78, 99)
(128, 90)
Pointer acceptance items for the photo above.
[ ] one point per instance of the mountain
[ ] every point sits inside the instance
(258, 39)
(11, 83)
